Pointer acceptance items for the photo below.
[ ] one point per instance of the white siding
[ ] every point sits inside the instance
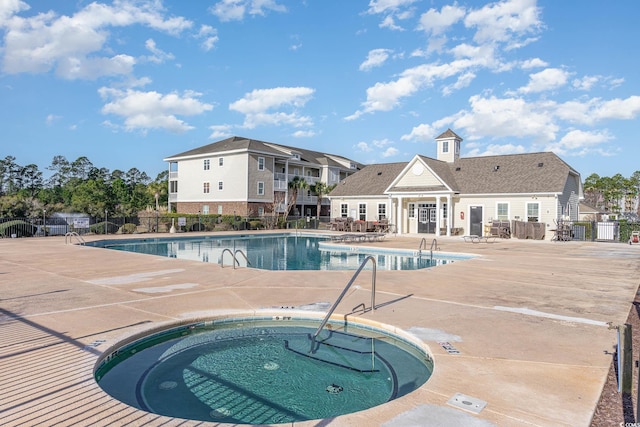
(233, 174)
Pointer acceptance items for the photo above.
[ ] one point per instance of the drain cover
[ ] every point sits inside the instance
(334, 389)
(468, 403)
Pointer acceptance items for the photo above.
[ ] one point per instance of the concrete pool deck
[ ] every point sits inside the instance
(528, 318)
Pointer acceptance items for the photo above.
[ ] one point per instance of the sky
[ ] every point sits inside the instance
(127, 83)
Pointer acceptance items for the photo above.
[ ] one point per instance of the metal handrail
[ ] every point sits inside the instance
(433, 242)
(424, 240)
(244, 255)
(68, 238)
(235, 258)
(344, 291)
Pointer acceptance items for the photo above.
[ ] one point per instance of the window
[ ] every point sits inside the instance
(260, 163)
(205, 209)
(444, 210)
(445, 146)
(533, 212)
(457, 148)
(344, 210)
(362, 211)
(382, 211)
(260, 210)
(207, 164)
(173, 186)
(205, 188)
(502, 211)
(411, 210)
(221, 161)
(220, 186)
(260, 188)
(296, 172)
(219, 209)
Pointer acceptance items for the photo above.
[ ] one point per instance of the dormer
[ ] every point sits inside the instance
(448, 146)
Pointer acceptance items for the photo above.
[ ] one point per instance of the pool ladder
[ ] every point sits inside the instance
(434, 245)
(344, 291)
(68, 238)
(234, 256)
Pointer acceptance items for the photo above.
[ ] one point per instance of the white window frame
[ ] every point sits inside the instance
(206, 187)
(260, 163)
(445, 146)
(260, 188)
(537, 205)
(205, 209)
(206, 164)
(344, 210)
(411, 210)
(382, 211)
(220, 185)
(260, 210)
(498, 215)
(221, 161)
(219, 209)
(362, 211)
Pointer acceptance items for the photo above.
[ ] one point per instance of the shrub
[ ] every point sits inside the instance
(128, 229)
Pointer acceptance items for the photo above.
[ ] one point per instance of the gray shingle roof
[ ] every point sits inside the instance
(235, 143)
(507, 174)
(370, 180)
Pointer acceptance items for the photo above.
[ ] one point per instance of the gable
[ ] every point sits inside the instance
(417, 174)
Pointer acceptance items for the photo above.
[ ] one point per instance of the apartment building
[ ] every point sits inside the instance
(251, 178)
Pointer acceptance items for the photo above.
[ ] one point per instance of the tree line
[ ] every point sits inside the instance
(77, 186)
(613, 194)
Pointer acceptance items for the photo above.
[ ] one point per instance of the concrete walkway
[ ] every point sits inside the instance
(529, 319)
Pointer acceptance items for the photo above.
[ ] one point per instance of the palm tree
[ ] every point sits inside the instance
(321, 189)
(295, 185)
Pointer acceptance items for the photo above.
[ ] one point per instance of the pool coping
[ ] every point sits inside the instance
(530, 369)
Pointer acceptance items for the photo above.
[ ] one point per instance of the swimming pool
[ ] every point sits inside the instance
(263, 369)
(277, 252)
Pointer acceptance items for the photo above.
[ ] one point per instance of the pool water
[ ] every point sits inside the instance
(274, 252)
(263, 372)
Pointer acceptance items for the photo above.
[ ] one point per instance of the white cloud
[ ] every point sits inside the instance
(497, 150)
(157, 55)
(363, 146)
(548, 79)
(390, 152)
(504, 21)
(585, 83)
(579, 142)
(75, 46)
(420, 133)
(436, 23)
(51, 119)
(594, 110)
(387, 6)
(303, 134)
(503, 117)
(375, 58)
(533, 63)
(152, 110)
(209, 36)
(220, 131)
(257, 104)
(235, 10)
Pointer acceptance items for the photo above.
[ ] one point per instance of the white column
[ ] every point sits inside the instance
(438, 216)
(399, 218)
(449, 217)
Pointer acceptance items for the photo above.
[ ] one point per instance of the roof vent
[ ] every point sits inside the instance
(496, 168)
(458, 169)
(540, 164)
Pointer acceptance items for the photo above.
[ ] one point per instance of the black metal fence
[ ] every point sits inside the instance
(60, 225)
(597, 231)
